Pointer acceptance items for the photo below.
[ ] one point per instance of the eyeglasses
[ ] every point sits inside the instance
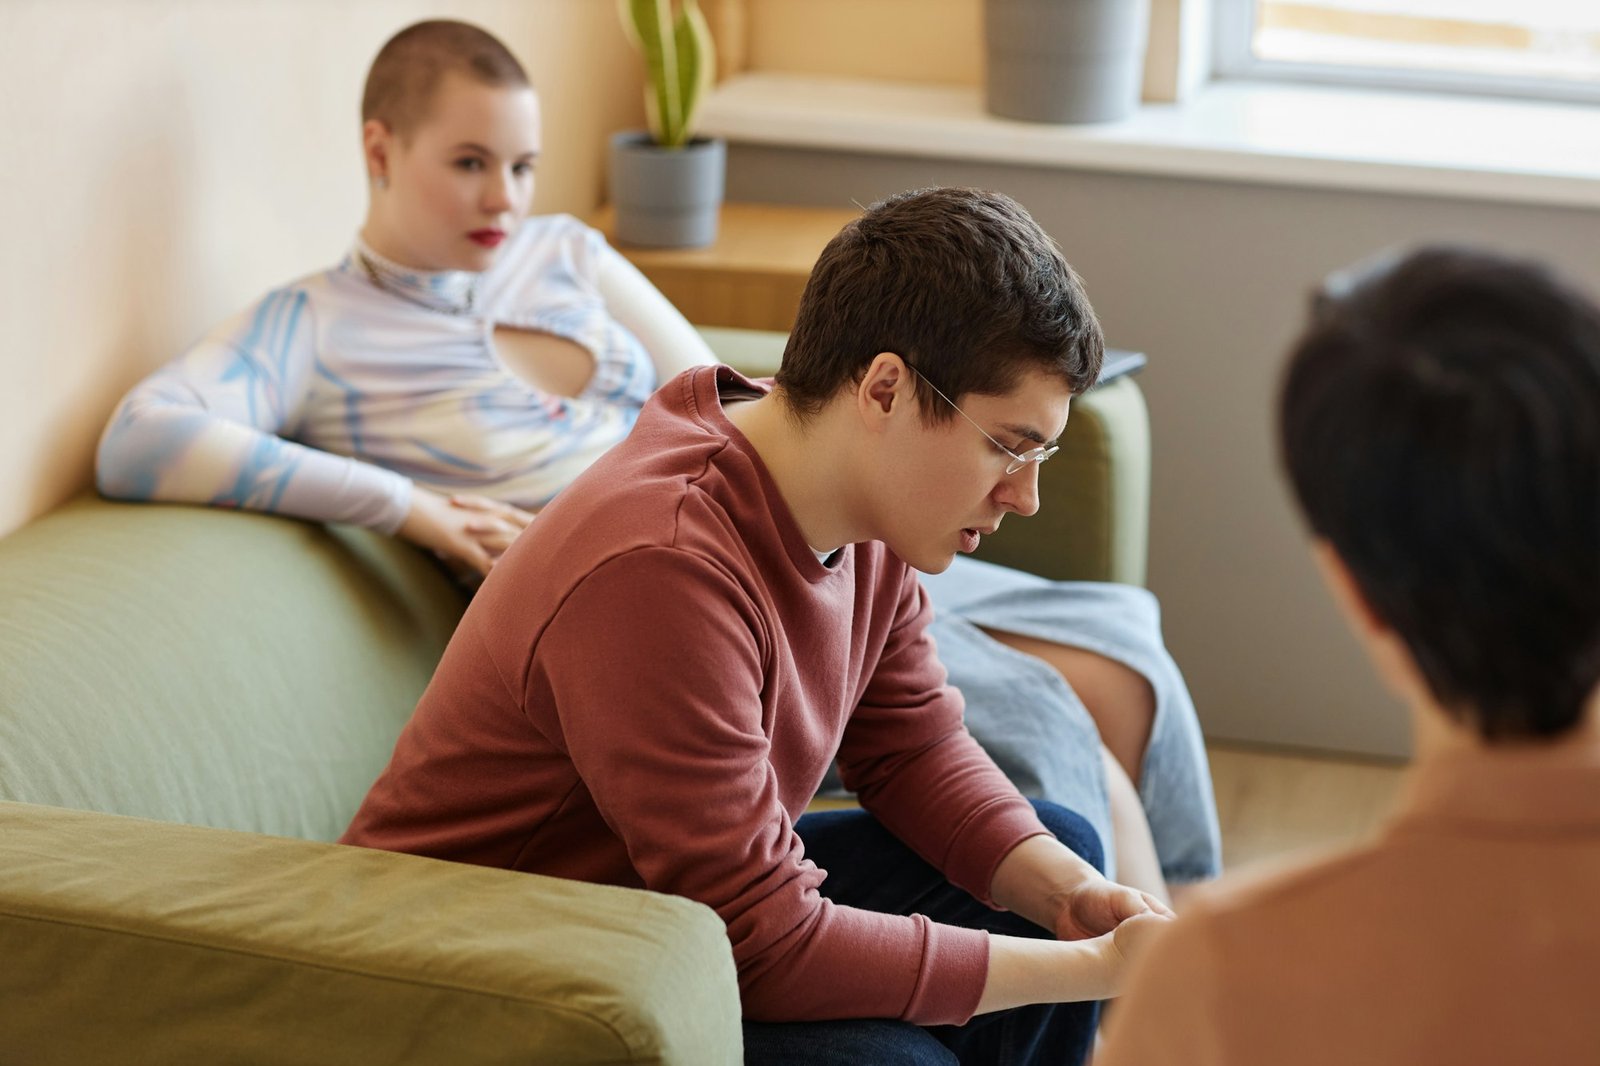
(1032, 455)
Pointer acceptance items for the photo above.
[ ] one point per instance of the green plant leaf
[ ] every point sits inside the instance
(649, 24)
(696, 63)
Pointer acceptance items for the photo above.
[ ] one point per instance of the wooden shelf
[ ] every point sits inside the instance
(752, 277)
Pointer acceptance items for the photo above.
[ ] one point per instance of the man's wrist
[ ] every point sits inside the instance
(1038, 878)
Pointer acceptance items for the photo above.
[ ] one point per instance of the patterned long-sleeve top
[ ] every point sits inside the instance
(330, 397)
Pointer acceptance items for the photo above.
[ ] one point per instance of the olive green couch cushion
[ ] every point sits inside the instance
(210, 667)
(140, 942)
(232, 670)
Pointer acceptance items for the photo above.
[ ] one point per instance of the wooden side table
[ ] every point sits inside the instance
(752, 277)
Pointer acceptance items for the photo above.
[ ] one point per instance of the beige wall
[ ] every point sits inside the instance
(899, 40)
(925, 40)
(166, 161)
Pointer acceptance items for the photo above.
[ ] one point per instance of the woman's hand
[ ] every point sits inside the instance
(1023, 970)
(1132, 937)
(1097, 906)
(473, 530)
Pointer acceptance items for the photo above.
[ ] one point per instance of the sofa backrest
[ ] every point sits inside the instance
(208, 667)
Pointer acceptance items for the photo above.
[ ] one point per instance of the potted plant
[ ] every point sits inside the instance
(1065, 60)
(667, 183)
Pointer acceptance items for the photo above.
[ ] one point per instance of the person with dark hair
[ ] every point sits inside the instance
(1440, 424)
(650, 685)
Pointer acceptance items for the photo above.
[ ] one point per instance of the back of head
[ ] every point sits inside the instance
(412, 63)
(1440, 422)
(961, 283)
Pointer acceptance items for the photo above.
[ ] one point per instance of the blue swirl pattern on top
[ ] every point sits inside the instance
(329, 397)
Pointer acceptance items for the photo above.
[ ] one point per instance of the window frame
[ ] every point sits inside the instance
(1233, 22)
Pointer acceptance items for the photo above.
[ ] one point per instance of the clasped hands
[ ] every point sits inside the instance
(470, 530)
(1124, 918)
(1098, 924)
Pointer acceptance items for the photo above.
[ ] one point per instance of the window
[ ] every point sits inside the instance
(1548, 48)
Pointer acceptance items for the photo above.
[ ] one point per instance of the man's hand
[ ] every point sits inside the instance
(1097, 906)
(474, 530)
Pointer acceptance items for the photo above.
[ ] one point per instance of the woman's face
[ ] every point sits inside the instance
(460, 183)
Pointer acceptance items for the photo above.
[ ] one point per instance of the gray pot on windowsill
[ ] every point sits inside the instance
(1065, 61)
(666, 197)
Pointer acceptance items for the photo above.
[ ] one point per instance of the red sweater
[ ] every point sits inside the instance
(647, 691)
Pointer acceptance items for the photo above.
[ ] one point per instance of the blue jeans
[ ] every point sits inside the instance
(871, 869)
(1036, 729)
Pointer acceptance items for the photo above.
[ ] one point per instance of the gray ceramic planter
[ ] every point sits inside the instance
(1065, 60)
(666, 197)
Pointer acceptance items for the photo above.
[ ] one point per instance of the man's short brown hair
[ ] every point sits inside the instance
(410, 65)
(961, 283)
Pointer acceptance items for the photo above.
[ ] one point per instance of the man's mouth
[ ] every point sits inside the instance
(972, 535)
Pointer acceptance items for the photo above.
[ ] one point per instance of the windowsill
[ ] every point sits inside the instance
(1301, 135)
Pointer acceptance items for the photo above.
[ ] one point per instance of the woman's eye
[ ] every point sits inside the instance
(522, 170)
(470, 163)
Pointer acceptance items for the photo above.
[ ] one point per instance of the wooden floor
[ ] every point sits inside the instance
(1271, 802)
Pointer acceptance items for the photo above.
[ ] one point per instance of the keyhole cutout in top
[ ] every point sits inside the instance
(549, 363)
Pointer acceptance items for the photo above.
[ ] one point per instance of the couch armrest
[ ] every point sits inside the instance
(208, 666)
(147, 942)
(1094, 516)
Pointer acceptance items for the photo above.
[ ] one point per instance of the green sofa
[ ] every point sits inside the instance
(193, 703)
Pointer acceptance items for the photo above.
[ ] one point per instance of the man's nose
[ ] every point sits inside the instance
(1019, 492)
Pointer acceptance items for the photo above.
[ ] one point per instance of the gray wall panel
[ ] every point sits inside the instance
(1210, 278)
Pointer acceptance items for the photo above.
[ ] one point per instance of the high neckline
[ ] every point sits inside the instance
(1553, 784)
(450, 292)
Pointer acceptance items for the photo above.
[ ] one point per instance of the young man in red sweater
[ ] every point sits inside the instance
(651, 684)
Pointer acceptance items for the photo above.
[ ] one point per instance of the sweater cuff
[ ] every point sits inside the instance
(394, 504)
(955, 970)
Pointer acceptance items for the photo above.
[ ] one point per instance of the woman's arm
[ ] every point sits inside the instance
(674, 345)
(205, 429)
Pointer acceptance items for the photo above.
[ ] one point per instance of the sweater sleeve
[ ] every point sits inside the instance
(205, 429)
(909, 758)
(657, 663)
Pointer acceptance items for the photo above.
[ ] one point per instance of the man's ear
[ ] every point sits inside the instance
(885, 385)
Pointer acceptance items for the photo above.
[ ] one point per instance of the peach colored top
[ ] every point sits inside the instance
(1467, 932)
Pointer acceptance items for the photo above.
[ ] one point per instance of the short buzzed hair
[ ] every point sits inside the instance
(410, 65)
